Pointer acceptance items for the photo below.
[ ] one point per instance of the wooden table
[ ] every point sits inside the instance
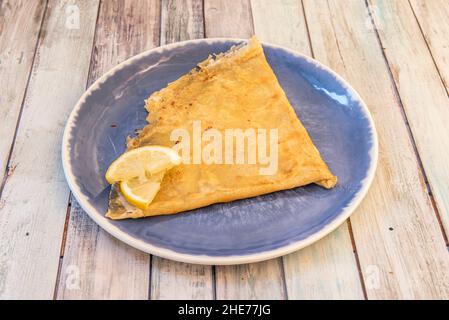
(394, 52)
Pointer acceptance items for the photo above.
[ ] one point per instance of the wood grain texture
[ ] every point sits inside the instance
(176, 280)
(97, 266)
(105, 267)
(433, 18)
(282, 23)
(263, 280)
(251, 281)
(125, 28)
(327, 269)
(35, 195)
(228, 18)
(422, 92)
(180, 20)
(18, 39)
(400, 245)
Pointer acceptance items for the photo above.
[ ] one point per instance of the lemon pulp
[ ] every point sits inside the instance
(140, 171)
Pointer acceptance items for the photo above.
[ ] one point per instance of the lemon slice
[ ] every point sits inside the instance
(140, 193)
(140, 162)
(139, 173)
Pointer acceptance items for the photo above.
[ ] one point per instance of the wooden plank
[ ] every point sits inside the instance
(228, 18)
(282, 23)
(263, 280)
(105, 267)
(251, 281)
(433, 18)
(97, 266)
(327, 269)
(400, 245)
(18, 39)
(425, 101)
(35, 196)
(176, 280)
(180, 20)
(324, 270)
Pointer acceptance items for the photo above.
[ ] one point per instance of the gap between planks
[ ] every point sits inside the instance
(256, 280)
(171, 279)
(31, 240)
(404, 113)
(413, 268)
(334, 258)
(88, 244)
(438, 57)
(309, 35)
(8, 169)
(69, 201)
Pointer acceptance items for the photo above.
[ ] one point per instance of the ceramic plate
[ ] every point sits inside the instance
(241, 231)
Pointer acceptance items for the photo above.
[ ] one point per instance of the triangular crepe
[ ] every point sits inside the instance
(237, 89)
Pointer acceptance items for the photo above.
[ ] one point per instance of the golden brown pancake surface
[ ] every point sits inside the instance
(235, 90)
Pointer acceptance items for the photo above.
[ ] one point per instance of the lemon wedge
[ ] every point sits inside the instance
(140, 171)
(142, 161)
(141, 193)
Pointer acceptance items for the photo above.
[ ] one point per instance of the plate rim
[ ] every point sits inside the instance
(104, 222)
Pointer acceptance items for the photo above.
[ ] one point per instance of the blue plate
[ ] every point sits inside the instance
(241, 231)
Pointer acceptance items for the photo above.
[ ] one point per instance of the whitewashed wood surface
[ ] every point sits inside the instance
(394, 52)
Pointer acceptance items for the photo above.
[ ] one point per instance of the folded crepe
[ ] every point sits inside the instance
(237, 89)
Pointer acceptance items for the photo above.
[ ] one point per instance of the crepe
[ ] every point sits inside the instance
(237, 89)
